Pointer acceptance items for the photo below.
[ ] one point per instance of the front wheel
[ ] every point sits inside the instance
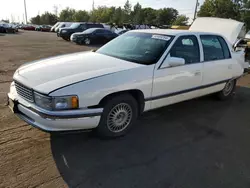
(119, 115)
(87, 41)
(228, 90)
(66, 38)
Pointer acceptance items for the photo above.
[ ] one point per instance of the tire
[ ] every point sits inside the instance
(119, 115)
(87, 41)
(66, 38)
(228, 90)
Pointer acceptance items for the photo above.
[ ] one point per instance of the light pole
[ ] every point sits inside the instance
(25, 10)
(196, 8)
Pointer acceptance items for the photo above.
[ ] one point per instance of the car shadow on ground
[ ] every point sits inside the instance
(168, 147)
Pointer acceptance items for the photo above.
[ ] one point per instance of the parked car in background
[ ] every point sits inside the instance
(122, 31)
(2, 29)
(54, 27)
(38, 28)
(62, 25)
(65, 33)
(7, 28)
(93, 36)
(15, 27)
(29, 27)
(44, 28)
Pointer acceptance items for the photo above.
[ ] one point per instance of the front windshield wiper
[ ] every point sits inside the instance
(123, 58)
(131, 59)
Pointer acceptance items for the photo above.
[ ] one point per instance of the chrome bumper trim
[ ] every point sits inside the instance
(63, 114)
(67, 114)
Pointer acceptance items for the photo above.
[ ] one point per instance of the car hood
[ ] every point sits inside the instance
(65, 28)
(78, 33)
(50, 74)
(231, 29)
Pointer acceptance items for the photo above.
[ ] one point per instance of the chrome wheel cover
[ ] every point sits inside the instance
(119, 117)
(228, 88)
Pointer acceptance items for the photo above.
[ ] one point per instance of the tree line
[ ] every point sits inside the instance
(118, 15)
(233, 9)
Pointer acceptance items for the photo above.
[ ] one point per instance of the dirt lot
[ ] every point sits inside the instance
(201, 143)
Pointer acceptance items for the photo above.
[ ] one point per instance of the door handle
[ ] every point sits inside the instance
(197, 73)
(230, 66)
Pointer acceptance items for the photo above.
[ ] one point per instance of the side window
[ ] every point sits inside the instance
(97, 26)
(83, 26)
(226, 51)
(107, 32)
(89, 26)
(212, 48)
(186, 47)
(99, 32)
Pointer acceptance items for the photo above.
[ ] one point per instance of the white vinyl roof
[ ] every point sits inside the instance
(230, 29)
(169, 32)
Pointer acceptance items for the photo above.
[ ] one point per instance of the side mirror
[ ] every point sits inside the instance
(173, 62)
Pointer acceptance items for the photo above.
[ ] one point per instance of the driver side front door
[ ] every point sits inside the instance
(175, 84)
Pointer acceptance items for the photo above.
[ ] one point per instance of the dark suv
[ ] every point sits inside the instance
(66, 32)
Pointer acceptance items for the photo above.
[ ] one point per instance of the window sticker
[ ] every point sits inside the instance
(161, 37)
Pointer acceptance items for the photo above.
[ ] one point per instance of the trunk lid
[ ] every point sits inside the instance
(231, 29)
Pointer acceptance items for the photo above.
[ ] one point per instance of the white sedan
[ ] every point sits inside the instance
(139, 71)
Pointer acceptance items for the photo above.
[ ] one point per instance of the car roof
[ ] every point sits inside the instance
(94, 29)
(172, 32)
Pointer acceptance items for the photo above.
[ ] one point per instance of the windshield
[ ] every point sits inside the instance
(74, 25)
(89, 31)
(143, 48)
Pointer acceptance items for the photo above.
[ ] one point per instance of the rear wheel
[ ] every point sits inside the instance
(119, 115)
(228, 90)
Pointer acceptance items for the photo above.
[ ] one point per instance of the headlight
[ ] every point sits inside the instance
(56, 103)
(64, 31)
(43, 101)
(67, 102)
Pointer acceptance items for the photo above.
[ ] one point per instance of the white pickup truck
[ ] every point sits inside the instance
(139, 71)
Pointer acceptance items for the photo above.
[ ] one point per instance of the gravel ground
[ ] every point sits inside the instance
(201, 143)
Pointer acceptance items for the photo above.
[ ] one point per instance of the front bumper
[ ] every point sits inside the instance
(65, 35)
(68, 120)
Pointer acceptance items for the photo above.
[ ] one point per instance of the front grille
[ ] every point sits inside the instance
(24, 92)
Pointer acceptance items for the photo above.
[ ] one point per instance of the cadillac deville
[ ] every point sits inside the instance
(108, 89)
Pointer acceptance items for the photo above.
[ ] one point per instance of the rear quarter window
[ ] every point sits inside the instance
(224, 45)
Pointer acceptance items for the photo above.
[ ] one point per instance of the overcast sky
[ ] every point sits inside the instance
(16, 7)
